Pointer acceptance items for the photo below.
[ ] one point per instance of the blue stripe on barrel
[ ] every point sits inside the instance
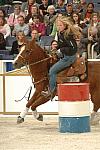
(74, 107)
(74, 124)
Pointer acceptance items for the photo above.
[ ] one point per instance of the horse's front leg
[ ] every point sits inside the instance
(22, 115)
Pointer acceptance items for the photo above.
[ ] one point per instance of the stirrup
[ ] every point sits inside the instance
(46, 93)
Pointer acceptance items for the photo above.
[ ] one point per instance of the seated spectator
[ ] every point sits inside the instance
(26, 6)
(90, 36)
(34, 11)
(69, 10)
(60, 6)
(86, 16)
(54, 47)
(3, 13)
(77, 24)
(53, 51)
(43, 7)
(81, 6)
(20, 41)
(21, 26)
(49, 19)
(2, 42)
(39, 26)
(35, 35)
(54, 30)
(4, 27)
(12, 20)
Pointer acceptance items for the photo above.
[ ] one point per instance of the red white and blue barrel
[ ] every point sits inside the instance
(74, 107)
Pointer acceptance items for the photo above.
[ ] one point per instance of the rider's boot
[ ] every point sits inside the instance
(37, 116)
(46, 93)
(22, 115)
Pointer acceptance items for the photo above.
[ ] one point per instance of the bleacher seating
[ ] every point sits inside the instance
(10, 40)
(4, 55)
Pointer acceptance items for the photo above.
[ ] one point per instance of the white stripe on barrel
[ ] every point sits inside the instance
(74, 107)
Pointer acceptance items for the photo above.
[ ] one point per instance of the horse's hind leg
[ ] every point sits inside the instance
(22, 115)
(95, 116)
(41, 100)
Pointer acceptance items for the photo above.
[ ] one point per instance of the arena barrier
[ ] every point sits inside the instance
(74, 107)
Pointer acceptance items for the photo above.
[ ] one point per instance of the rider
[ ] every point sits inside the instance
(67, 46)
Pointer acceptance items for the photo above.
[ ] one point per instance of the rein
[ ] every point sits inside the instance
(38, 61)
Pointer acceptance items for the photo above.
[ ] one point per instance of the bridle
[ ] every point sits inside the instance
(31, 64)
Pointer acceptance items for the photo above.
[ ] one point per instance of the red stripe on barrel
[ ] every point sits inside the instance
(73, 92)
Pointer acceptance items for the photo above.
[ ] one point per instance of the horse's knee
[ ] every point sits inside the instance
(33, 107)
(28, 104)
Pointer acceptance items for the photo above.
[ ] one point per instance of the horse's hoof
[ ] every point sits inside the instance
(40, 118)
(95, 118)
(94, 123)
(20, 120)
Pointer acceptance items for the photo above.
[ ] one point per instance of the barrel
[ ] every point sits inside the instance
(74, 107)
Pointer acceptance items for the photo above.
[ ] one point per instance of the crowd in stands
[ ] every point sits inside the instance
(34, 19)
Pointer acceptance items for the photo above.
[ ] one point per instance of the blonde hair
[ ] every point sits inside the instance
(69, 28)
(50, 7)
(94, 14)
(24, 37)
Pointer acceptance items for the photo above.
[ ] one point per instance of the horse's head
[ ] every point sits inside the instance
(22, 58)
(30, 53)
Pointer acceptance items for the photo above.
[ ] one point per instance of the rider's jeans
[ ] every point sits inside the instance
(66, 61)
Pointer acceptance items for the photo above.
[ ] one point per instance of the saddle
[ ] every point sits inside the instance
(78, 68)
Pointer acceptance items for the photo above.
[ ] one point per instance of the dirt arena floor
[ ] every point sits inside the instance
(35, 135)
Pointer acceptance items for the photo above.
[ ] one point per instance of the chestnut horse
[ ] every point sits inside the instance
(33, 56)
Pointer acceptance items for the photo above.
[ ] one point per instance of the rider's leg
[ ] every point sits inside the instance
(59, 66)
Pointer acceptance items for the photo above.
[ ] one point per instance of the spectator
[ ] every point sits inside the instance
(3, 13)
(91, 35)
(20, 41)
(43, 7)
(86, 16)
(21, 26)
(81, 6)
(4, 27)
(76, 20)
(69, 10)
(35, 35)
(60, 6)
(26, 6)
(77, 25)
(34, 11)
(53, 52)
(39, 26)
(12, 20)
(49, 19)
(2, 42)
(54, 30)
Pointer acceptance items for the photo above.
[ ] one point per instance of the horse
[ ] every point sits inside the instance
(38, 62)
